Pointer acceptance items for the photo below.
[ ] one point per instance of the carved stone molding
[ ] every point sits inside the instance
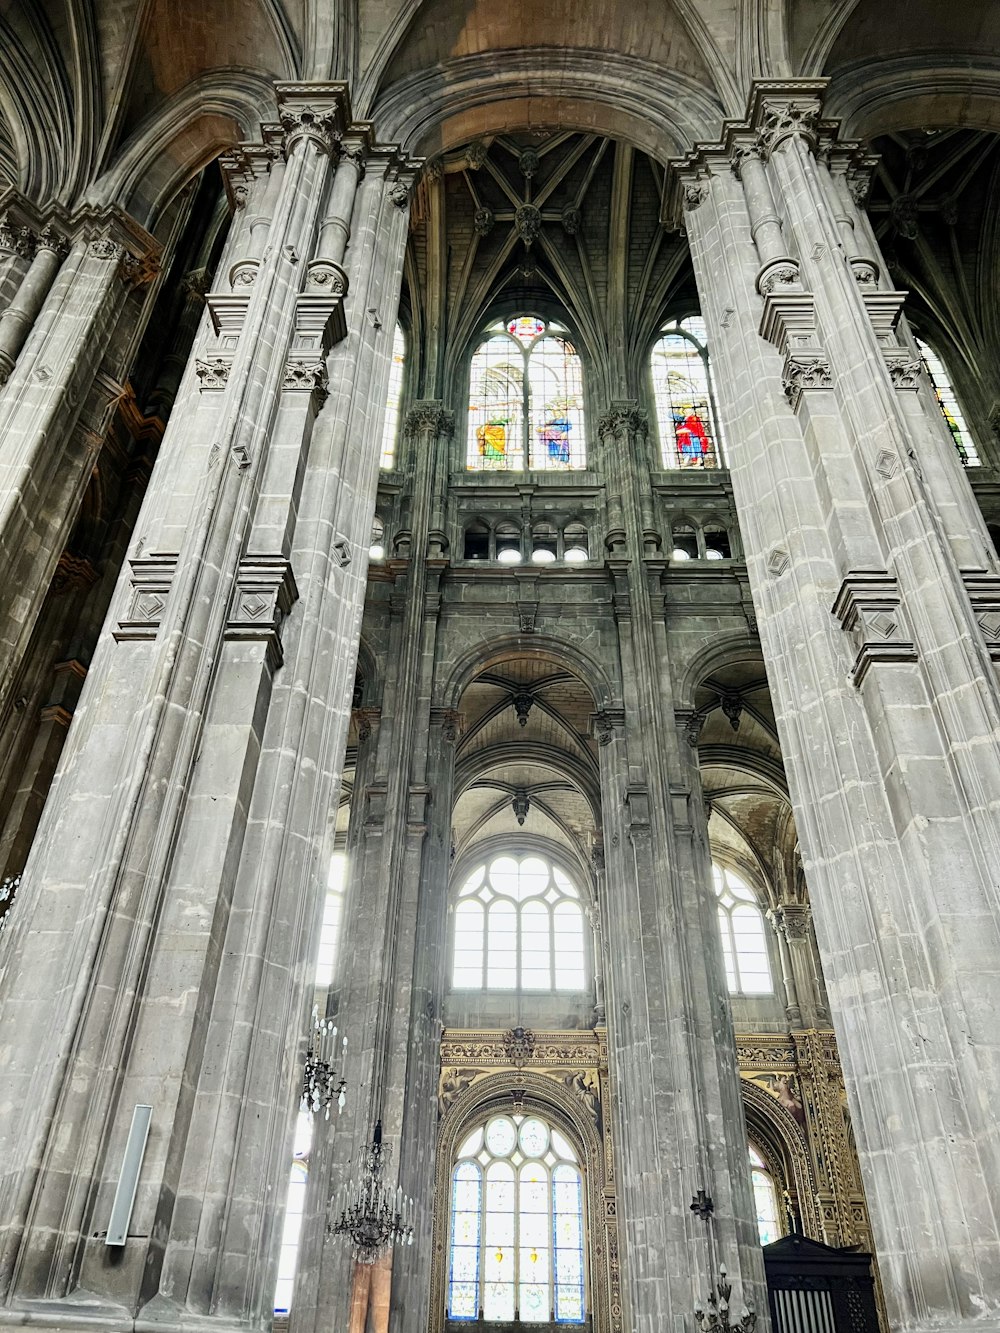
(868, 607)
(152, 576)
(16, 239)
(801, 373)
(429, 417)
(781, 117)
(73, 574)
(264, 593)
(695, 194)
(483, 1050)
(450, 721)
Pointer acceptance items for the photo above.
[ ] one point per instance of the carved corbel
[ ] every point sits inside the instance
(263, 596)
(869, 608)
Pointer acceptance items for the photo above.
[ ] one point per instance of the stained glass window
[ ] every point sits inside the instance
(744, 941)
(526, 403)
(765, 1196)
(519, 926)
(682, 388)
(516, 1230)
(950, 410)
(390, 431)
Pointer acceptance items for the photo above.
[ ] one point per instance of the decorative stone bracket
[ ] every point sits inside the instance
(263, 596)
(984, 594)
(151, 579)
(868, 607)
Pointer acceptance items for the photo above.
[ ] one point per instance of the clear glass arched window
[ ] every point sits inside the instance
(950, 410)
(744, 939)
(526, 399)
(682, 389)
(519, 926)
(517, 1225)
(765, 1195)
(295, 1202)
(390, 431)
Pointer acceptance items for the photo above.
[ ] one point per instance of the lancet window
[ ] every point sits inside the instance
(948, 402)
(526, 399)
(517, 1222)
(295, 1202)
(682, 389)
(765, 1195)
(744, 940)
(519, 926)
(390, 429)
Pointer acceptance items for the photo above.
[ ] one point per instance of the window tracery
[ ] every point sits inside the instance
(519, 926)
(526, 399)
(546, 543)
(744, 941)
(948, 402)
(682, 389)
(517, 1225)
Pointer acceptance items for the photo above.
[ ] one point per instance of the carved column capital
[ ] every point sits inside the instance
(429, 417)
(791, 920)
(317, 112)
(623, 418)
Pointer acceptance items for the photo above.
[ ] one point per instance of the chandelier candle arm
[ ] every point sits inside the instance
(319, 1078)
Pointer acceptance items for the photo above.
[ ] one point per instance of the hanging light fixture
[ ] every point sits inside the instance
(718, 1317)
(319, 1078)
(370, 1214)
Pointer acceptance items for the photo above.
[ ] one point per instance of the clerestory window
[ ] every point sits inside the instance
(516, 1246)
(744, 939)
(682, 389)
(526, 399)
(940, 380)
(519, 926)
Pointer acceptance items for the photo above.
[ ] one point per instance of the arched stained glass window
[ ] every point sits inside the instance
(950, 410)
(744, 941)
(516, 1229)
(519, 926)
(526, 399)
(765, 1195)
(682, 388)
(390, 431)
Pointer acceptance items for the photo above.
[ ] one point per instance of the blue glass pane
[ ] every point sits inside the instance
(463, 1293)
(463, 1300)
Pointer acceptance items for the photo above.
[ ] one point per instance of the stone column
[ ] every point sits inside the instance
(17, 246)
(162, 946)
(784, 926)
(65, 332)
(390, 991)
(679, 1124)
(876, 591)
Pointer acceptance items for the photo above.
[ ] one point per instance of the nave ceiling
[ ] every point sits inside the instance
(96, 94)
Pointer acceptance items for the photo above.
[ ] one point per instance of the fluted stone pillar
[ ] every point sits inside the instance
(875, 587)
(679, 1122)
(162, 946)
(388, 995)
(63, 330)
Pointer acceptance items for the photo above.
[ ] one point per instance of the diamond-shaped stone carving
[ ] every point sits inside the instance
(882, 624)
(886, 463)
(777, 562)
(990, 624)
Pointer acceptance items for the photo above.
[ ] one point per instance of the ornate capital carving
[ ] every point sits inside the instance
(429, 417)
(623, 419)
(780, 118)
(307, 377)
(212, 374)
(904, 371)
(801, 373)
(791, 920)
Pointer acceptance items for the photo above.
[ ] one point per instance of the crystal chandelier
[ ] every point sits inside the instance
(718, 1317)
(373, 1216)
(319, 1078)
